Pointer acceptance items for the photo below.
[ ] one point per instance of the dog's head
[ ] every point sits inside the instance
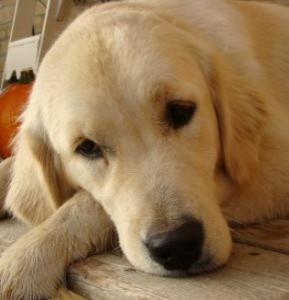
(149, 118)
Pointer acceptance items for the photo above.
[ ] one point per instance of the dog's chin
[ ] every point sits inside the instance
(200, 267)
(215, 253)
(204, 266)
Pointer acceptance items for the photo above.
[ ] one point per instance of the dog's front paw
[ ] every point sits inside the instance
(25, 273)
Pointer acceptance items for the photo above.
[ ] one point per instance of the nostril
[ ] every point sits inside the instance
(177, 249)
(163, 255)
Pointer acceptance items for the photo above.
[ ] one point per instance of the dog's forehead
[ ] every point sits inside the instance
(106, 75)
(127, 54)
(107, 61)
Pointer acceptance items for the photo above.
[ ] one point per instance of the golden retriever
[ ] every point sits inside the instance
(160, 119)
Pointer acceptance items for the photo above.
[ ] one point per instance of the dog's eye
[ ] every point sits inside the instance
(89, 149)
(179, 113)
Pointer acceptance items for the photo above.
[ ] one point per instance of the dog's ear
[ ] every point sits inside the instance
(38, 186)
(242, 113)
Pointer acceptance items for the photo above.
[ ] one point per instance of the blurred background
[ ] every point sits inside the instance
(7, 10)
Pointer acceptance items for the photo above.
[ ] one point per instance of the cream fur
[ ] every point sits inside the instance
(108, 78)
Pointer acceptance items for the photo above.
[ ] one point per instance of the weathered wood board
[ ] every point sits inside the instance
(258, 270)
(252, 274)
(271, 236)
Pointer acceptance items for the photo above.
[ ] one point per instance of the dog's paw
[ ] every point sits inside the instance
(26, 274)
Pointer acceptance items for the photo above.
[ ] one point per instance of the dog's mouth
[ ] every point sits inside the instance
(200, 267)
(203, 266)
(184, 248)
(189, 266)
(181, 252)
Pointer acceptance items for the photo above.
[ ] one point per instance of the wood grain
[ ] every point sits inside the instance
(252, 274)
(271, 236)
(257, 270)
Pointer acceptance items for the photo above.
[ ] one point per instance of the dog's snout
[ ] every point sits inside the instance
(178, 249)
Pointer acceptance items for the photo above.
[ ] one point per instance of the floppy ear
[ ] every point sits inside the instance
(38, 186)
(242, 113)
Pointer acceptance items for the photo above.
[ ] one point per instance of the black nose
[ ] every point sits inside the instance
(178, 249)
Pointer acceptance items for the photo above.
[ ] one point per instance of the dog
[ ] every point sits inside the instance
(158, 121)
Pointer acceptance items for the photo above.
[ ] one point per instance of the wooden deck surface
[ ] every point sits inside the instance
(257, 270)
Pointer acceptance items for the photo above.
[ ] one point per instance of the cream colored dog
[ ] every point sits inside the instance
(160, 119)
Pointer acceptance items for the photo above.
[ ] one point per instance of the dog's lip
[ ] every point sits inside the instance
(202, 266)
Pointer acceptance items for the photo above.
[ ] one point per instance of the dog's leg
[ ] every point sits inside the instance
(5, 173)
(34, 266)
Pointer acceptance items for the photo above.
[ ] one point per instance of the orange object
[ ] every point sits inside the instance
(12, 100)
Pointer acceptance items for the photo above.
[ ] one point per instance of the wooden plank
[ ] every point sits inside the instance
(250, 275)
(271, 236)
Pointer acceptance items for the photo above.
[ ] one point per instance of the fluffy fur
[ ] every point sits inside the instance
(108, 78)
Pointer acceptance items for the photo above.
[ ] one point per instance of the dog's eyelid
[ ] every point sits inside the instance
(173, 100)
